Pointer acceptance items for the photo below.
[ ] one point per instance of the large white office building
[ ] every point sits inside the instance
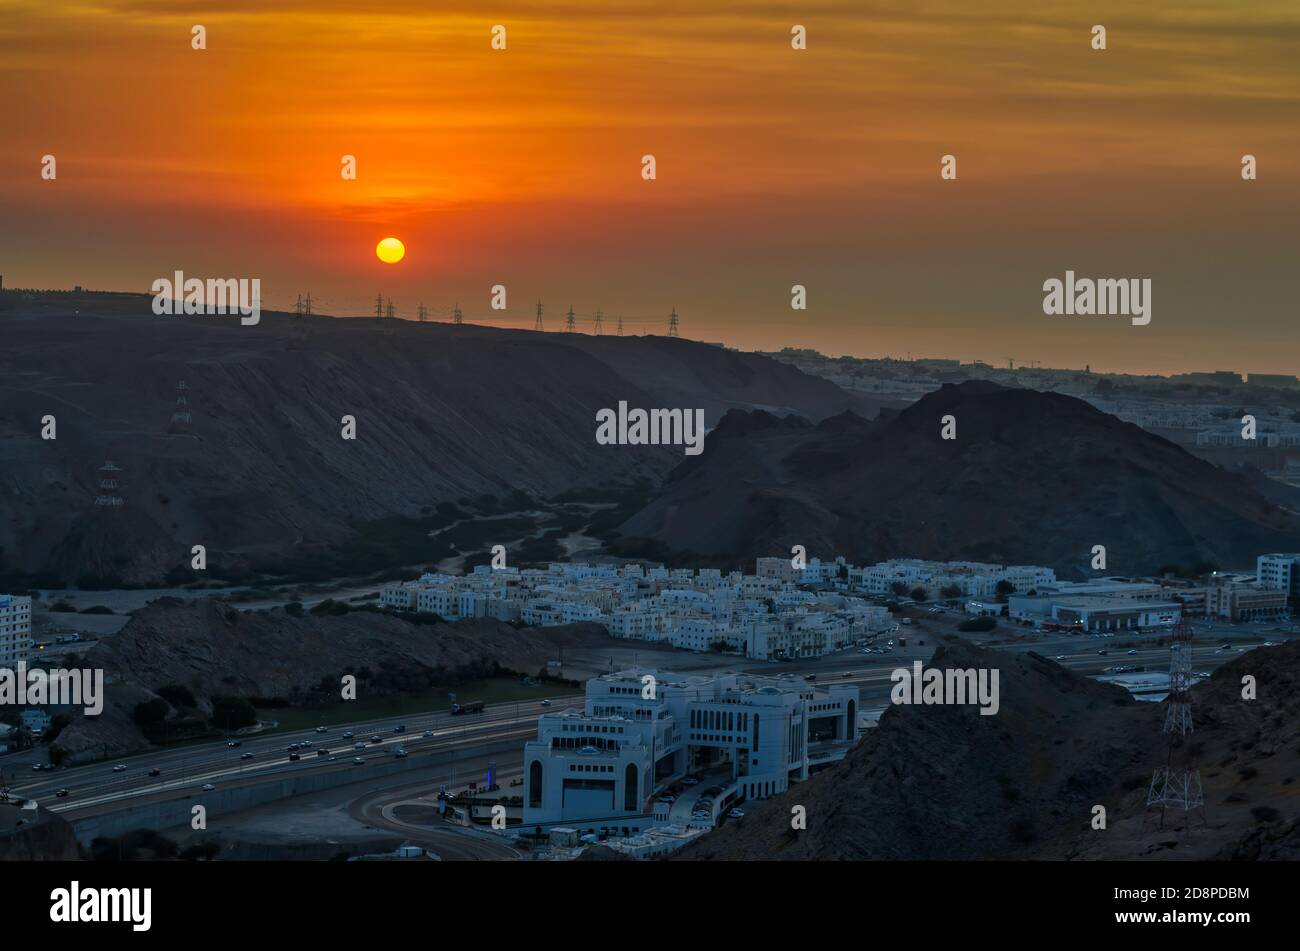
(640, 730)
(15, 629)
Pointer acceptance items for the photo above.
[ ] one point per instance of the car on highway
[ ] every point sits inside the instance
(399, 753)
(120, 768)
(233, 743)
(700, 815)
(208, 787)
(61, 793)
(689, 781)
(847, 673)
(322, 729)
(155, 771)
(427, 733)
(1133, 651)
(357, 761)
(348, 735)
(400, 728)
(322, 752)
(1102, 652)
(292, 748)
(305, 744)
(736, 814)
(546, 703)
(294, 757)
(246, 756)
(358, 745)
(517, 781)
(376, 739)
(1060, 657)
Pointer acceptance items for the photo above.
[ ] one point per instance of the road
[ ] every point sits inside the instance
(99, 787)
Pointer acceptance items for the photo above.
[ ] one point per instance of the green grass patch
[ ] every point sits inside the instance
(495, 690)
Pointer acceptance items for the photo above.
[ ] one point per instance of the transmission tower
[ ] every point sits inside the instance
(600, 322)
(379, 307)
(421, 312)
(537, 325)
(672, 324)
(307, 305)
(389, 311)
(297, 308)
(1178, 787)
(108, 485)
(620, 325)
(568, 321)
(456, 316)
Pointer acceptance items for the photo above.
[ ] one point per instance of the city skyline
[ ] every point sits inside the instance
(522, 166)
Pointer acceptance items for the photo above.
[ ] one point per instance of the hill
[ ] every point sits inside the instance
(210, 648)
(260, 472)
(943, 782)
(1031, 478)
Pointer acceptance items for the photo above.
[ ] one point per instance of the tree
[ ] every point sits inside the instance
(151, 713)
(899, 588)
(231, 713)
(1005, 589)
(950, 591)
(920, 594)
(981, 623)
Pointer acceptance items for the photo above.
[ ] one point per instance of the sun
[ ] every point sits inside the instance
(390, 250)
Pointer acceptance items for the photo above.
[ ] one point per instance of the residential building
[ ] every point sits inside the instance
(15, 630)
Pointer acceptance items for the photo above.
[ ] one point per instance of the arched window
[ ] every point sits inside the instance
(535, 784)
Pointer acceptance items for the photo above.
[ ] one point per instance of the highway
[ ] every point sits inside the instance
(184, 769)
(98, 788)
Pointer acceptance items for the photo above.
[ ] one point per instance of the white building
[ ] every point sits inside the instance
(599, 767)
(1280, 572)
(15, 629)
(971, 579)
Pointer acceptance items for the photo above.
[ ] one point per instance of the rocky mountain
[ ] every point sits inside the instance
(944, 782)
(260, 470)
(213, 649)
(1031, 478)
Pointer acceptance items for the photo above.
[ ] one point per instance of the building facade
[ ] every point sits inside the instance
(641, 730)
(15, 630)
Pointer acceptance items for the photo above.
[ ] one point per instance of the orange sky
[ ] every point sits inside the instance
(775, 167)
